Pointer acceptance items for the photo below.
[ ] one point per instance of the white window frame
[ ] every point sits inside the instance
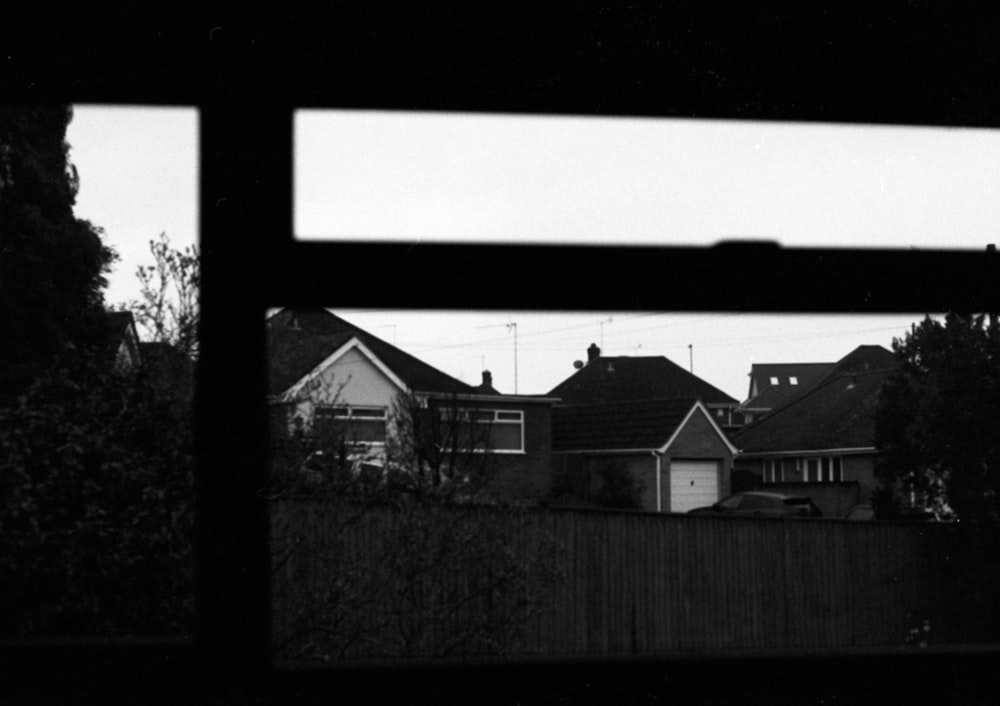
(339, 416)
(834, 466)
(515, 416)
(774, 470)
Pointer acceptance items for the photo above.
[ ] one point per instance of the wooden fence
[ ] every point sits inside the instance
(625, 583)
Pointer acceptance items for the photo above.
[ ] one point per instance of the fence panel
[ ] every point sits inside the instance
(588, 583)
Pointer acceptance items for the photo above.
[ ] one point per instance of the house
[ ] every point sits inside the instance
(821, 442)
(627, 378)
(326, 373)
(649, 417)
(773, 384)
(120, 341)
(672, 447)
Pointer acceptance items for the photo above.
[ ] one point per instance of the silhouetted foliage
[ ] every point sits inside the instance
(95, 505)
(167, 311)
(938, 420)
(96, 460)
(52, 264)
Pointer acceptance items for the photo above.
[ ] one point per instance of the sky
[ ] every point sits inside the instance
(138, 169)
(460, 177)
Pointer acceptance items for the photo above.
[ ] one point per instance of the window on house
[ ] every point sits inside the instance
(825, 469)
(793, 380)
(774, 471)
(354, 425)
(774, 381)
(493, 430)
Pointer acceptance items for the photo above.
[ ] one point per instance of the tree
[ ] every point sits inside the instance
(938, 420)
(52, 264)
(95, 466)
(167, 311)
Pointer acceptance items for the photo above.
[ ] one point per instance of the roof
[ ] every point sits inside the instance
(118, 329)
(627, 379)
(792, 379)
(300, 339)
(642, 424)
(838, 412)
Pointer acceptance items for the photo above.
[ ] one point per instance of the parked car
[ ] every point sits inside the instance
(761, 504)
(865, 512)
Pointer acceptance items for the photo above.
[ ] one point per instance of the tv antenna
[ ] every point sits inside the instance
(510, 325)
(609, 320)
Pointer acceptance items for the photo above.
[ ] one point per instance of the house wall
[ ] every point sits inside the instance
(834, 499)
(526, 476)
(580, 475)
(352, 380)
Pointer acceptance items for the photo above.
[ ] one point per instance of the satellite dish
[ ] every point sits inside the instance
(577, 364)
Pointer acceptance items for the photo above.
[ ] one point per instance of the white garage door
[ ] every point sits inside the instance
(693, 484)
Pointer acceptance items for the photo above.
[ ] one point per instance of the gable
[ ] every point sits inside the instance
(299, 340)
(351, 375)
(699, 437)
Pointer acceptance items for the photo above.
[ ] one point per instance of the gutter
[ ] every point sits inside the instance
(845, 451)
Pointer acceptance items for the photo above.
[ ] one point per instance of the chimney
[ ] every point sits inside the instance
(487, 378)
(593, 353)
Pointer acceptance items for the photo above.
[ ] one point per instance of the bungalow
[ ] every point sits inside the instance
(327, 374)
(649, 418)
(821, 442)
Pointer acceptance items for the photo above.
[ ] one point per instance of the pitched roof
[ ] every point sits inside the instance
(838, 412)
(118, 329)
(641, 424)
(300, 339)
(792, 380)
(626, 379)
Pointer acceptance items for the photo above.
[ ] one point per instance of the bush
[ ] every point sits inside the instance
(95, 506)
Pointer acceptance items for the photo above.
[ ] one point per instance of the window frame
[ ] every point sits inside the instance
(464, 417)
(323, 410)
(247, 193)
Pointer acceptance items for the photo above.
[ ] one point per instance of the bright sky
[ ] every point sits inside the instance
(138, 170)
(364, 175)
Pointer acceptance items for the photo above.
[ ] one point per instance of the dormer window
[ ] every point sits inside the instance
(793, 380)
(774, 381)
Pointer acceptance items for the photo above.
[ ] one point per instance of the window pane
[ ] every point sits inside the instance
(364, 431)
(368, 413)
(505, 437)
(580, 179)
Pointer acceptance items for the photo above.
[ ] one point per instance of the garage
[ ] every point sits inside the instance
(693, 484)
